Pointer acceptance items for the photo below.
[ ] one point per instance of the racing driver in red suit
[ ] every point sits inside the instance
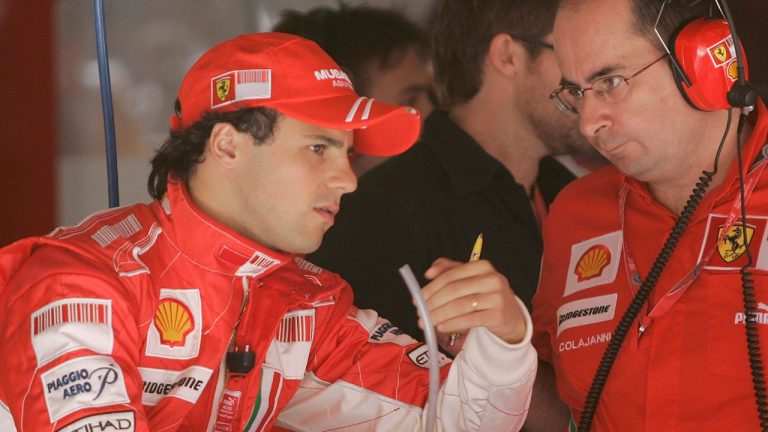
(196, 312)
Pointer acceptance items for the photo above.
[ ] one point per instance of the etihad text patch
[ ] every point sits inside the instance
(107, 422)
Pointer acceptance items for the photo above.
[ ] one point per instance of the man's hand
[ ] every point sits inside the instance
(465, 295)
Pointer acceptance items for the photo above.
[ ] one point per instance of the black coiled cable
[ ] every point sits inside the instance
(750, 307)
(620, 333)
(753, 348)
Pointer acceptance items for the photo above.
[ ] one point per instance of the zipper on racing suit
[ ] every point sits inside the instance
(223, 378)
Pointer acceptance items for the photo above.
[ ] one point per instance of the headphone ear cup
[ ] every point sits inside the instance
(681, 79)
(705, 52)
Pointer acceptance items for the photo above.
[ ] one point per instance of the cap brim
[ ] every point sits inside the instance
(380, 129)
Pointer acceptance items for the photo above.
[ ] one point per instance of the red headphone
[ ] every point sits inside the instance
(707, 66)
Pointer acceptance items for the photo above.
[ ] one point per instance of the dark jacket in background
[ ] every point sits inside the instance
(430, 202)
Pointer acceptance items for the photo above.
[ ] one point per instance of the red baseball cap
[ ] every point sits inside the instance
(297, 78)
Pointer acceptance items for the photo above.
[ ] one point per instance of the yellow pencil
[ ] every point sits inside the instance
(474, 256)
(477, 248)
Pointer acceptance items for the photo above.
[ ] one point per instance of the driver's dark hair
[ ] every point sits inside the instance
(183, 150)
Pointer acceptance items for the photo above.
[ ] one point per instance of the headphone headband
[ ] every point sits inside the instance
(708, 64)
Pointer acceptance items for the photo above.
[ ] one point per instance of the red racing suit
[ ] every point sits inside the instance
(688, 369)
(122, 323)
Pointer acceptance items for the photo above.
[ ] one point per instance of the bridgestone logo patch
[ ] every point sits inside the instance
(586, 311)
(583, 312)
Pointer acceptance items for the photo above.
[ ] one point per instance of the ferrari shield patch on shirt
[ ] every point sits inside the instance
(726, 246)
(593, 262)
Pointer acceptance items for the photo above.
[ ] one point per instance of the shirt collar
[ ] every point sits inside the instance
(469, 167)
(211, 244)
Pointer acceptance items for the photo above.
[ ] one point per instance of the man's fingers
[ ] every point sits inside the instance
(446, 290)
(440, 266)
(451, 272)
(466, 309)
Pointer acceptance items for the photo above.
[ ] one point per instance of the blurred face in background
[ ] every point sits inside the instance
(559, 132)
(407, 80)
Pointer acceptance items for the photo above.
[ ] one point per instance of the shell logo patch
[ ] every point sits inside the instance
(176, 329)
(592, 263)
(733, 70)
(174, 321)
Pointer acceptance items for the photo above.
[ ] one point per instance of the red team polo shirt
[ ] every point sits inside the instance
(689, 369)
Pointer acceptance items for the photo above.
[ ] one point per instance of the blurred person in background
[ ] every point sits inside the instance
(385, 54)
(476, 168)
(483, 165)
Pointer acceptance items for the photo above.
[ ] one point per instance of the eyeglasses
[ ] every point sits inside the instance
(610, 89)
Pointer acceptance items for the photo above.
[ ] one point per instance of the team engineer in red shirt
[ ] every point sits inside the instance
(197, 312)
(684, 365)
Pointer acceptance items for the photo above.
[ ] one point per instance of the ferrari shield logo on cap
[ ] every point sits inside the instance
(241, 85)
(222, 88)
(731, 247)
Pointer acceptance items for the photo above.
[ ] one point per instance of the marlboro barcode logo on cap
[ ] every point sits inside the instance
(241, 85)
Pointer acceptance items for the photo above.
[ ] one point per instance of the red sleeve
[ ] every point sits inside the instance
(368, 351)
(544, 300)
(70, 339)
